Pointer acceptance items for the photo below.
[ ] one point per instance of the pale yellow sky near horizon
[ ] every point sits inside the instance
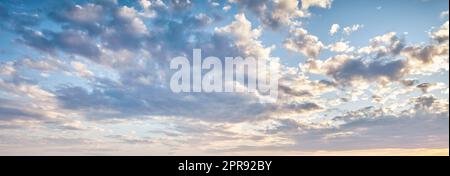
(368, 152)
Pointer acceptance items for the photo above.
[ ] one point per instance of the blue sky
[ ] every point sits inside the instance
(92, 77)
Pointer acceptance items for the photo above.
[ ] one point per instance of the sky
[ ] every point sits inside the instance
(359, 77)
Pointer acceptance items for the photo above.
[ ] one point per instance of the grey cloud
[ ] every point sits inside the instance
(89, 27)
(425, 54)
(285, 126)
(275, 14)
(76, 42)
(118, 28)
(141, 101)
(357, 69)
(408, 82)
(291, 92)
(383, 60)
(425, 86)
(396, 45)
(7, 113)
(424, 102)
(264, 10)
(388, 58)
(72, 42)
(328, 83)
(364, 129)
(11, 112)
(299, 107)
(131, 139)
(33, 105)
(111, 99)
(375, 65)
(89, 16)
(367, 112)
(167, 37)
(387, 45)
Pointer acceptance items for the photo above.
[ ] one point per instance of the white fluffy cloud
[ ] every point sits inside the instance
(441, 35)
(300, 41)
(246, 37)
(334, 29)
(134, 24)
(306, 4)
(350, 29)
(145, 4)
(276, 13)
(341, 47)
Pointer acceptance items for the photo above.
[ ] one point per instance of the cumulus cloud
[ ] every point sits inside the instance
(306, 4)
(334, 29)
(300, 41)
(429, 103)
(115, 99)
(72, 42)
(145, 4)
(441, 35)
(116, 27)
(275, 13)
(128, 16)
(428, 55)
(355, 69)
(260, 8)
(350, 29)
(341, 47)
(285, 11)
(88, 16)
(246, 38)
(387, 66)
